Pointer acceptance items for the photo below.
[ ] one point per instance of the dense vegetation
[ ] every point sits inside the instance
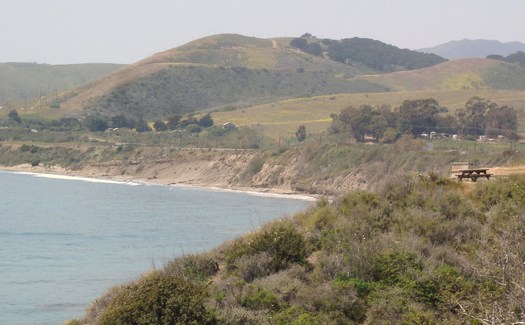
(422, 116)
(421, 250)
(371, 53)
(518, 57)
(181, 90)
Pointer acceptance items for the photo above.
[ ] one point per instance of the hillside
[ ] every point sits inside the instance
(214, 72)
(451, 83)
(474, 48)
(376, 55)
(463, 74)
(225, 71)
(20, 81)
(420, 250)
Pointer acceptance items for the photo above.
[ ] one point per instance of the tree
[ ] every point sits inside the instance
(472, 117)
(13, 116)
(368, 122)
(142, 126)
(363, 121)
(206, 121)
(120, 121)
(301, 133)
(190, 120)
(159, 126)
(501, 121)
(95, 124)
(173, 122)
(418, 116)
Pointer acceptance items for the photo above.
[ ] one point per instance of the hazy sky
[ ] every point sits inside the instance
(125, 31)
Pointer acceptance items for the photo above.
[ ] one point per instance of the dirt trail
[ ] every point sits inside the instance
(506, 171)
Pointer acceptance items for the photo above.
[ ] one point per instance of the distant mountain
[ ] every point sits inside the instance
(19, 81)
(474, 49)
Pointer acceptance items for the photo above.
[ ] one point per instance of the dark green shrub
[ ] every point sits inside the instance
(504, 190)
(361, 287)
(283, 242)
(158, 299)
(296, 316)
(255, 166)
(29, 148)
(198, 267)
(394, 267)
(257, 298)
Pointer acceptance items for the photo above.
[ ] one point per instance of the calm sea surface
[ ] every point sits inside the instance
(64, 242)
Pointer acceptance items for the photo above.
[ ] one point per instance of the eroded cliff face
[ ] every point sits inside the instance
(234, 169)
(326, 170)
(230, 169)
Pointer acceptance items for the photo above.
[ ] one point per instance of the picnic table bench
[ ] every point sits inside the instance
(473, 174)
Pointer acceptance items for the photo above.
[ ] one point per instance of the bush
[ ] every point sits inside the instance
(251, 267)
(283, 243)
(158, 298)
(507, 190)
(255, 166)
(197, 267)
(257, 298)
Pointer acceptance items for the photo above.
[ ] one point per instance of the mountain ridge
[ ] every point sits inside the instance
(479, 48)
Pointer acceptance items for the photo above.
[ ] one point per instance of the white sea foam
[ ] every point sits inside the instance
(253, 193)
(79, 178)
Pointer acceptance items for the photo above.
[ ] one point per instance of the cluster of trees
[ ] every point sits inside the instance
(387, 124)
(190, 123)
(102, 123)
(518, 57)
(371, 53)
(174, 122)
(379, 56)
(308, 47)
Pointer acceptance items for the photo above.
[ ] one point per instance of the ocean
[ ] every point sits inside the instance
(64, 241)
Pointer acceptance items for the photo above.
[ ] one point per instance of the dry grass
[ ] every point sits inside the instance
(284, 117)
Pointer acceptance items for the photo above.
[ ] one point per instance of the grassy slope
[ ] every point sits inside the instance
(272, 64)
(422, 250)
(28, 80)
(451, 83)
(284, 117)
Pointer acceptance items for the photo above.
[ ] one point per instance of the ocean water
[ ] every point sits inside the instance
(65, 241)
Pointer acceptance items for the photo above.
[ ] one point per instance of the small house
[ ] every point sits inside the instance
(229, 126)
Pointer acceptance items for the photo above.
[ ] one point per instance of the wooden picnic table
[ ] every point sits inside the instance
(473, 174)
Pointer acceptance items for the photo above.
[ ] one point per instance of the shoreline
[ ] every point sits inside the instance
(64, 173)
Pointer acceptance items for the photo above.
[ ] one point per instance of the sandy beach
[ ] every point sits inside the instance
(92, 174)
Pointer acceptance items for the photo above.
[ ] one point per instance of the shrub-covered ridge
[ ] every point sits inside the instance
(422, 250)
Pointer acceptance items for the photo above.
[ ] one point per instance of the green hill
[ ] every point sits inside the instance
(215, 72)
(224, 72)
(373, 54)
(20, 81)
(462, 74)
(451, 83)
